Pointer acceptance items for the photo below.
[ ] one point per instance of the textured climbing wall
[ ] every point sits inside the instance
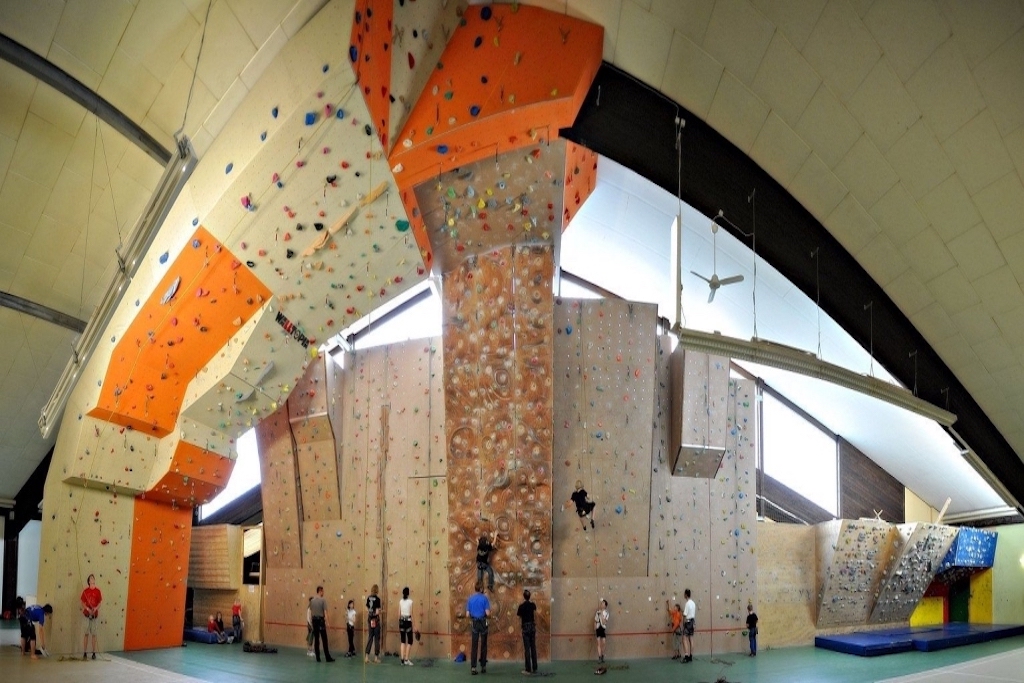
(215, 557)
(314, 444)
(580, 177)
(853, 557)
(786, 589)
(161, 535)
(605, 354)
(702, 537)
(385, 406)
(699, 412)
(498, 412)
(911, 571)
(282, 541)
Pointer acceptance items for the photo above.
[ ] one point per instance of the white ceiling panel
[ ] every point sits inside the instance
(795, 19)
(908, 31)
(883, 106)
(736, 112)
(978, 152)
(998, 78)
(689, 17)
(91, 29)
(1001, 205)
(691, 75)
(852, 225)
(817, 188)
(976, 252)
(841, 49)
(779, 150)
(828, 127)
(738, 37)
(785, 80)
(919, 160)
(157, 35)
(635, 27)
(945, 91)
(866, 172)
(928, 255)
(949, 208)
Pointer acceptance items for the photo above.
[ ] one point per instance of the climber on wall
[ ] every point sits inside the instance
(483, 559)
(584, 506)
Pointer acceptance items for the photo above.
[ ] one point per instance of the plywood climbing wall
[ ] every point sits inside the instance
(911, 571)
(282, 539)
(605, 353)
(701, 536)
(699, 412)
(314, 444)
(498, 416)
(786, 589)
(853, 556)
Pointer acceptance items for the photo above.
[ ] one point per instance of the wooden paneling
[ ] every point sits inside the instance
(216, 558)
(864, 487)
(791, 501)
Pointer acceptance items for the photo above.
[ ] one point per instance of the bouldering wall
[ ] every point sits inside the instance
(911, 571)
(497, 311)
(701, 532)
(853, 557)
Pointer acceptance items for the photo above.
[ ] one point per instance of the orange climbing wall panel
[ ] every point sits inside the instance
(194, 477)
(579, 180)
(161, 537)
(510, 76)
(498, 416)
(370, 56)
(175, 334)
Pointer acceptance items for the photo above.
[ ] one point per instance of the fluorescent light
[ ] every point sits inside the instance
(806, 363)
(176, 174)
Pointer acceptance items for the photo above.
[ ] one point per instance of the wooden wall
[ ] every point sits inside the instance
(865, 488)
(215, 560)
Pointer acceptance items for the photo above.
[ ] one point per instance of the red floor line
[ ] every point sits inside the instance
(612, 634)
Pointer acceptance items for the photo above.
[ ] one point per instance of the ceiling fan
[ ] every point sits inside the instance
(714, 282)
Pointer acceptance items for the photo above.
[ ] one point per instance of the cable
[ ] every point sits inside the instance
(195, 72)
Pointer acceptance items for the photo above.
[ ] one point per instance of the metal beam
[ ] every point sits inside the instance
(8, 300)
(66, 84)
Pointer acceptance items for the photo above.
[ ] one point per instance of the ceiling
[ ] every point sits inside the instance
(899, 126)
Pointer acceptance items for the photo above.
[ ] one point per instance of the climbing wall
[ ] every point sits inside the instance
(281, 513)
(161, 535)
(498, 402)
(699, 412)
(384, 406)
(786, 589)
(314, 444)
(701, 537)
(604, 390)
(215, 557)
(853, 556)
(580, 178)
(911, 571)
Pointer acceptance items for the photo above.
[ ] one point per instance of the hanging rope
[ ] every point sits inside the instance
(195, 72)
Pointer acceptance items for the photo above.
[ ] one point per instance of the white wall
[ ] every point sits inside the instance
(1008, 576)
(28, 560)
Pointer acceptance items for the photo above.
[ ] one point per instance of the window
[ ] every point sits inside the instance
(799, 455)
(244, 476)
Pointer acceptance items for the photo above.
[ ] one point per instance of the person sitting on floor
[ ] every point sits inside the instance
(213, 626)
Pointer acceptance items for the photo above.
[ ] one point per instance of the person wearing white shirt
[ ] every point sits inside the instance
(350, 628)
(405, 625)
(600, 628)
(689, 623)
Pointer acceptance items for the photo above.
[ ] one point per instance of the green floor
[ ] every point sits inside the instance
(228, 664)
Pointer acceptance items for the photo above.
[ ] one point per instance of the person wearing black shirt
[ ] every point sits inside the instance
(483, 559)
(752, 629)
(525, 613)
(584, 506)
(373, 606)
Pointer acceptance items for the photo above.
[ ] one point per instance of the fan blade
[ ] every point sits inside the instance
(701, 276)
(731, 280)
(711, 295)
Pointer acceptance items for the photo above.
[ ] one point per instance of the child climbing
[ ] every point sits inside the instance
(584, 506)
(483, 559)
(600, 628)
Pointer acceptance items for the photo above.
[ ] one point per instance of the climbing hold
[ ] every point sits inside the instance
(474, 110)
(196, 243)
(263, 136)
(367, 129)
(325, 68)
(483, 79)
(273, 112)
(478, 42)
(485, 13)
(412, 61)
(401, 225)
(163, 257)
(353, 53)
(340, 114)
(289, 253)
(310, 118)
(442, 149)
(195, 221)
(227, 169)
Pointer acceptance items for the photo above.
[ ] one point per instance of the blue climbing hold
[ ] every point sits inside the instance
(483, 79)
(478, 42)
(325, 68)
(474, 110)
(273, 112)
(196, 243)
(442, 149)
(353, 53)
(568, 329)
(163, 257)
(618, 509)
(485, 13)
(227, 169)
(263, 136)
(340, 113)
(195, 221)
(310, 118)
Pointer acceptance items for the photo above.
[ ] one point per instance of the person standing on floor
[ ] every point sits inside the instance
(689, 625)
(373, 616)
(309, 627)
(526, 613)
(350, 627)
(584, 506)
(600, 628)
(236, 620)
(483, 559)
(91, 599)
(405, 626)
(752, 629)
(478, 608)
(675, 612)
(318, 612)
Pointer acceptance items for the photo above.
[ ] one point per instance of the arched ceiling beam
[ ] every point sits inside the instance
(66, 84)
(42, 312)
(636, 126)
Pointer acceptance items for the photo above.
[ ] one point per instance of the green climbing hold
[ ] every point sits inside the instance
(401, 225)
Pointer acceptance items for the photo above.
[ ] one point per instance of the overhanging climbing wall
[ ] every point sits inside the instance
(915, 565)
(853, 557)
(498, 403)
